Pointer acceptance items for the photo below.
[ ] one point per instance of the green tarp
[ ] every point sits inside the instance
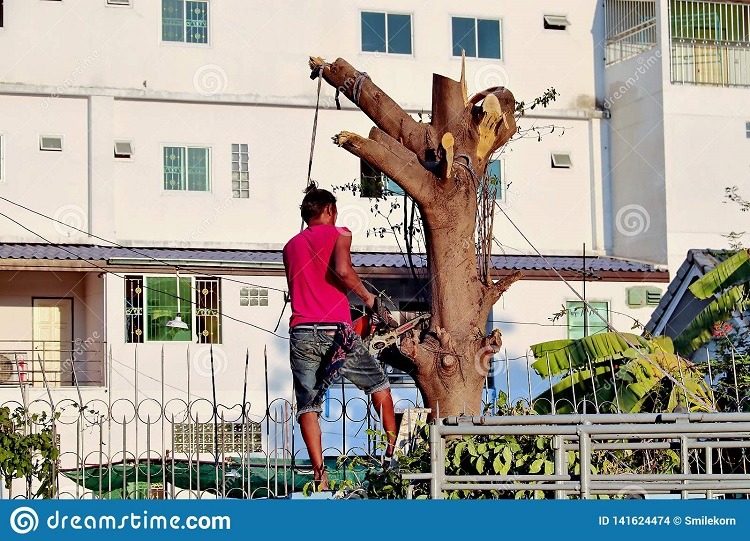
(146, 479)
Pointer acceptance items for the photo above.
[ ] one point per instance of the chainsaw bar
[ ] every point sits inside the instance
(379, 342)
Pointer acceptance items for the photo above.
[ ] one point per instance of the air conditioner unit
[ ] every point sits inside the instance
(14, 368)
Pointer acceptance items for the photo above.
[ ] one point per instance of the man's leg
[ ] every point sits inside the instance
(310, 427)
(383, 403)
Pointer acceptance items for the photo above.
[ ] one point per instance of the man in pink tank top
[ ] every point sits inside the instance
(319, 274)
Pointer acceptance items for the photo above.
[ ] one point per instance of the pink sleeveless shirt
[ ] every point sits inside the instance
(317, 294)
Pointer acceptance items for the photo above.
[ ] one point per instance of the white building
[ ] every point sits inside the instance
(175, 135)
(676, 81)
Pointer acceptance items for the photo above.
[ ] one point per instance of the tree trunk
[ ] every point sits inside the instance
(440, 165)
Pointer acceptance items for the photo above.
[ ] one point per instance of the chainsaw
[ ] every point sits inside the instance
(379, 337)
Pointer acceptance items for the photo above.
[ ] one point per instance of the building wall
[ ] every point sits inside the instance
(263, 97)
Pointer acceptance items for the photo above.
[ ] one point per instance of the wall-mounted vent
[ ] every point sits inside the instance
(561, 160)
(556, 22)
(118, 2)
(640, 296)
(124, 150)
(51, 143)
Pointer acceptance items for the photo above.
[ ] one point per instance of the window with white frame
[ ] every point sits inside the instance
(386, 32)
(496, 177)
(191, 438)
(240, 172)
(184, 21)
(479, 38)
(187, 169)
(151, 302)
(584, 321)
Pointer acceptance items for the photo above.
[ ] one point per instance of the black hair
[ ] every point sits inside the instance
(315, 202)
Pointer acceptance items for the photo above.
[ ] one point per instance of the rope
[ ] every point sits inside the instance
(357, 90)
(317, 74)
(467, 166)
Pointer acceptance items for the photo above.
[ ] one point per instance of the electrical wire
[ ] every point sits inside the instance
(104, 269)
(608, 325)
(136, 251)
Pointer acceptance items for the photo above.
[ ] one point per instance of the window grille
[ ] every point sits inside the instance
(208, 310)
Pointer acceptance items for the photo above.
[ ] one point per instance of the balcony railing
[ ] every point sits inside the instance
(710, 43)
(45, 363)
(710, 64)
(630, 28)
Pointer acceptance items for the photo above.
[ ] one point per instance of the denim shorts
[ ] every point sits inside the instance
(311, 347)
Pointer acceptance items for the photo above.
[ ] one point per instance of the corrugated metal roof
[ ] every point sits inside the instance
(704, 260)
(359, 259)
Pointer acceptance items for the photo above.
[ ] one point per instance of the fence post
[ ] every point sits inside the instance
(437, 461)
(561, 468)
(709, 469)
(684, 463)
(584, 451)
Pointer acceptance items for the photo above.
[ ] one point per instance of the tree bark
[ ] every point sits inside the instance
(440, 165)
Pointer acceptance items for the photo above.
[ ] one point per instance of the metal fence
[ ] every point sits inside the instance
(630, 27)
(179, 449)
(687, 433)
(48, 363)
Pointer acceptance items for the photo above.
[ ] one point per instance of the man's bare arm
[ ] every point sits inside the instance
(343, 268)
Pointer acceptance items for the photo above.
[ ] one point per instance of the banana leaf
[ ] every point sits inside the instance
(565, 355)
(733, 271)
(701, 329)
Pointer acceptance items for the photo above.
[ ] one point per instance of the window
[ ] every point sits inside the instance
(480, 38)
(124, 150)
(118, 2)
(386, 33)
(561, 160)
(374, 183)
(1, 13)
(184, 21)
(747, 130)
(253, 296)
(496, 174)
(134, 309)
(556, 22)
(186, 168)
(151, 302)
(191, 438)
(162, 307)
(240, 173)
(52, 143)
(208, 310)
(583, 322)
